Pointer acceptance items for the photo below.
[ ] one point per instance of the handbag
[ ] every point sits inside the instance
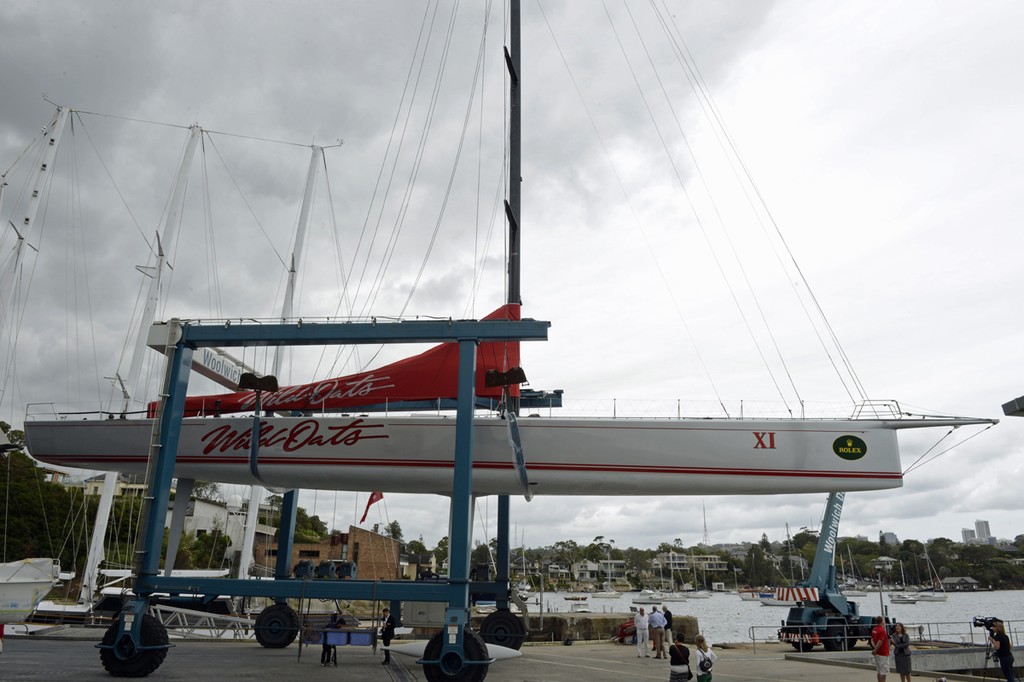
(705, 664)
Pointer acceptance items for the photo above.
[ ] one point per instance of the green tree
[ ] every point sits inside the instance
(206, 490)
(416, 547)
(393, 530)
(441, 551)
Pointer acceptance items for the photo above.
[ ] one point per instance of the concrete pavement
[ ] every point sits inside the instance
(33, 658)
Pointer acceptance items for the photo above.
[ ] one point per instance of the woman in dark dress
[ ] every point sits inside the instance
(901, 651)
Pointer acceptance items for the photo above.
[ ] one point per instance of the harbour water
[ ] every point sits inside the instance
(724, 617)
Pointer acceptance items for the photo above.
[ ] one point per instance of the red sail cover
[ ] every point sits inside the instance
(430, 375)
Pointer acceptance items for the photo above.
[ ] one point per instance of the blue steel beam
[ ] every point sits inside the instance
(197, 334)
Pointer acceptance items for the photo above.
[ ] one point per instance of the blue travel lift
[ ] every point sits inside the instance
(136, 644)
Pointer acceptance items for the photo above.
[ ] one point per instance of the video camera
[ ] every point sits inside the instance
(985, 621)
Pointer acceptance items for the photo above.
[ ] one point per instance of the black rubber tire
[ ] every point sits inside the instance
(125, 661)
(475, 650)
(503, 628)
(277, 626)
(833, 640)
(802, 647)
(851, 643)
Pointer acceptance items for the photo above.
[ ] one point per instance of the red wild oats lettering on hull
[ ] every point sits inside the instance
(304, 434)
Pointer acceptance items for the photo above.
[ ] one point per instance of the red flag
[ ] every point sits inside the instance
(375, 496)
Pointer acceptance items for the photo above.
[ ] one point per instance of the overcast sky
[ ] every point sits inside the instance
(884, 139)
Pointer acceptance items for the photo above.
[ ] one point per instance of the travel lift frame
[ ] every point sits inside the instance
(128, 648)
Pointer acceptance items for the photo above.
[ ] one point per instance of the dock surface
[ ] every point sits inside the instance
(34, 658)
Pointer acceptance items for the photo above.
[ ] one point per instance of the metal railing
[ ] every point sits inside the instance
(958, 633)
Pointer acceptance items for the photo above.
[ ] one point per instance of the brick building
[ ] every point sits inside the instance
(375, 556)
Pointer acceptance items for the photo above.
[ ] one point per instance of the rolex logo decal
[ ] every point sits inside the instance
(850, 447)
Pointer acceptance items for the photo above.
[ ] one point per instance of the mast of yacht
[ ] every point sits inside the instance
(155, 273)
(512, 206)
(256, 491)
(38, 180)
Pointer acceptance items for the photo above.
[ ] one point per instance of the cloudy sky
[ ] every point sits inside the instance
(883, 140)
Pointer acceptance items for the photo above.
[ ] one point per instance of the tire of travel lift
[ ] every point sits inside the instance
(503, 628)
(475, 650)
(277, 626)
(124, 660)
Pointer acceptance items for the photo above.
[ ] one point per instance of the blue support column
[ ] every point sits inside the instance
(286, 534)
(503, 558)
(162, 470)
(128, 641)
(457, 614)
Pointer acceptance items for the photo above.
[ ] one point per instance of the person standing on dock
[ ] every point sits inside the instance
(1001, 645)
(679, 661)
(387, 632)
(657, 622)
(668, 624)
(329, 654)
(705, 658)
(901, 651)
(641, 622)
(880, 648)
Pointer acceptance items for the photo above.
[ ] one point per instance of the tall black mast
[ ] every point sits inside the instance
(514, 152)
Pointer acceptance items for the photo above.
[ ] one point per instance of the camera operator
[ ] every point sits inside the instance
(1001, 647)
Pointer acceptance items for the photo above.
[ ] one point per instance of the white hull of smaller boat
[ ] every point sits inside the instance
(23, 584)
(674, 596)
(416, 649)
(563, 456)
(606, 595)
(929, 596)
(647, 597)
(902, 599)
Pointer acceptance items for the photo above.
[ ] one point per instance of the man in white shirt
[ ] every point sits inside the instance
(642, 623)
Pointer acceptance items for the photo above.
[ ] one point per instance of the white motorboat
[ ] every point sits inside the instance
(647, 597)
(23, 584)
(903, 598)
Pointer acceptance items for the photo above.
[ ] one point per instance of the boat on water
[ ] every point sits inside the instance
(903, 598)
(23, 584)
(756, 595)
(925, 595)
(648, 597)
(675, 596)
(606, 594)
(932, 594)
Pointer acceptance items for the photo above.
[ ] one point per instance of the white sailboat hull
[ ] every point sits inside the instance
(23, 584)
(563, 456)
